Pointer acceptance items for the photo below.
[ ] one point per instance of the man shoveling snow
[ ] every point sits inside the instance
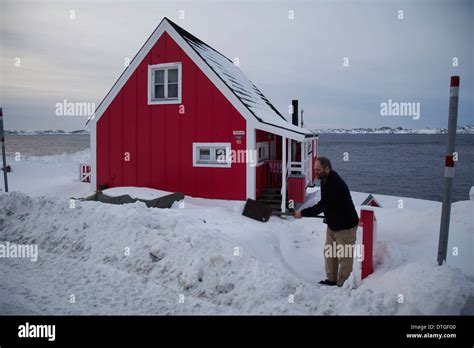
(341, 219)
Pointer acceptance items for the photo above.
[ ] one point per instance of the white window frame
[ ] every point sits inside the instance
(266, 147)
(151, 83)
(212, 162)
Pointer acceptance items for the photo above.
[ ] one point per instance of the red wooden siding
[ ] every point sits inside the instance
(115, 141)
(159, 139)
(130, 132)
(143, 125)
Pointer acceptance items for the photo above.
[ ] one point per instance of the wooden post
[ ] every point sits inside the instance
(283, 174)
(367, 222)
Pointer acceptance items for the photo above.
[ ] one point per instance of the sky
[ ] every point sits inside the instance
(340, 59)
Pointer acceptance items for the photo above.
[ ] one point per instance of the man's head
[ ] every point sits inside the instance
(322, 167)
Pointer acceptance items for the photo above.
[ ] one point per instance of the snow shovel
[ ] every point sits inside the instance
(284, 215)
(262, 212)
(257, 210)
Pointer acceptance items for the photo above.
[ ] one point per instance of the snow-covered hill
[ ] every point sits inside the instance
(203, 257)
(45, 132)
(397, 130)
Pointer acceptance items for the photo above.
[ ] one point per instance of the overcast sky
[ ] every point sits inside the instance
(405, 60)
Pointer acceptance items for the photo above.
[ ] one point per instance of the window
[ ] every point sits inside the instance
(164, 83)
(262, 151)
(204, 154)
(211, 155)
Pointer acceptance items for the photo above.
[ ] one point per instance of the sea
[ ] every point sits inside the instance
(406, 165)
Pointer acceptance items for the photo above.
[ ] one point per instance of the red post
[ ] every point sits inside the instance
(296, 188)
(367, 222)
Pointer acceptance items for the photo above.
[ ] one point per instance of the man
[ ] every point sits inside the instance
(341, 219)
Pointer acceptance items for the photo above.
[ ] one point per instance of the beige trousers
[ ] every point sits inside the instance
(339, 254)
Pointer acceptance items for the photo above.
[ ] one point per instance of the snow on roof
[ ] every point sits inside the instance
(250, 96)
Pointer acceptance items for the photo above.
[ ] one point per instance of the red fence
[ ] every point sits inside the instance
(272, 173)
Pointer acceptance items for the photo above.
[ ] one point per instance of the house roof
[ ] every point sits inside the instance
(239, 84)
(231, 76)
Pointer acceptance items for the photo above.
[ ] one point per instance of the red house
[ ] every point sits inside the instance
(183, 117)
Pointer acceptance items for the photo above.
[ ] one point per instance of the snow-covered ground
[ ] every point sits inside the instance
(203, 257)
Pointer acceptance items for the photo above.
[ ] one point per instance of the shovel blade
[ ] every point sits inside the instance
(257, 210)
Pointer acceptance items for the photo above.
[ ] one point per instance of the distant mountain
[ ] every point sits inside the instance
(45, 132)
(381, 130)
(397, 130)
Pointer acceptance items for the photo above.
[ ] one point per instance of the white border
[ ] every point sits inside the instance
(93, 140)
(251, 182)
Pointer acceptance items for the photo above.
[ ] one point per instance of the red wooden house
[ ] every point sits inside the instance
(182, 117)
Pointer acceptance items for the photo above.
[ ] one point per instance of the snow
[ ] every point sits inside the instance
(56, 175)
(130, 259)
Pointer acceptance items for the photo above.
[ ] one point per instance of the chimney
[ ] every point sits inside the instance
(294, 118)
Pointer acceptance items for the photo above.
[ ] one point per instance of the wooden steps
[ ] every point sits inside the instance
(271, 197)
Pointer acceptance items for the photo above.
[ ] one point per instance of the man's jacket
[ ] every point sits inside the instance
(336, 203)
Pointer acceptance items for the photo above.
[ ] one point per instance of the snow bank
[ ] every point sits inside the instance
(131, 259)
(203, 257)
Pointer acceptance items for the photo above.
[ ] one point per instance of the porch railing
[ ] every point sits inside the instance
(272, 173)
(295, 168)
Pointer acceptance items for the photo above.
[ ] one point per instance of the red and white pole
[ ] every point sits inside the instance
(448, 170)
(3, 151)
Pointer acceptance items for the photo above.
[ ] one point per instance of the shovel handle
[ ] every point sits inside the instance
(291, 214)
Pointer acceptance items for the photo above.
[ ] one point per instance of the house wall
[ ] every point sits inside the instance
(159, 139)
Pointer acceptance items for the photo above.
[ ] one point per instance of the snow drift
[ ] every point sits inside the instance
(203, 257)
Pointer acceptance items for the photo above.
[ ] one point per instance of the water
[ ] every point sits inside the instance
(392, 164)
(45, 145)
(407, 165)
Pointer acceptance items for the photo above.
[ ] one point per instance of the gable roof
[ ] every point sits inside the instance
(231, 78)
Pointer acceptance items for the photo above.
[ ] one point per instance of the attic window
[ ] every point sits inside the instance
(164, 83)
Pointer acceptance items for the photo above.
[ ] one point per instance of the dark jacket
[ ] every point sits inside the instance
(336, 203)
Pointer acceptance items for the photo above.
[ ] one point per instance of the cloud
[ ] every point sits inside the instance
(407, 60)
